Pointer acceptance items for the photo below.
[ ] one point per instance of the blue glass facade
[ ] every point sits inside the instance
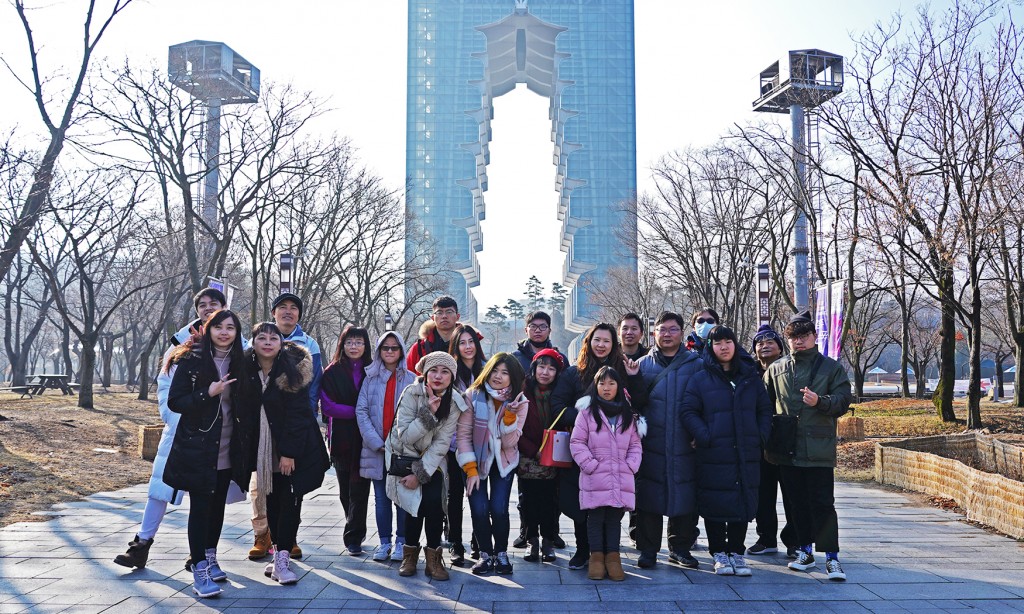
(577, 53)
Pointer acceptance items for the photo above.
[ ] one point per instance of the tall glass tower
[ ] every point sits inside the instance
(576, 53)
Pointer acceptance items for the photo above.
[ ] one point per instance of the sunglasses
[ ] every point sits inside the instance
(390, 348)
(705, 320)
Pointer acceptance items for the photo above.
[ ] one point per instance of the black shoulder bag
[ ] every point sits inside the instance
(782, 440)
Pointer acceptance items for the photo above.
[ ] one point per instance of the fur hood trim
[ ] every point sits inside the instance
(303, 362)
(583, 402)
(427, 329)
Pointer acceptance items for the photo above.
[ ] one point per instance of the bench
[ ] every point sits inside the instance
(24, 391)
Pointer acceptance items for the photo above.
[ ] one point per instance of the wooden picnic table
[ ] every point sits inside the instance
(56, 381)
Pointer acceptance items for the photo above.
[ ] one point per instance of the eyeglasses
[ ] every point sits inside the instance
(705, 320)
(445, 312)
(804, 336)
(538, 327)
(390, 348)
(354, 343)
(675, 330)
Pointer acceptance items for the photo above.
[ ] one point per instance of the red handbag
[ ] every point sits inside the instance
(557, 454)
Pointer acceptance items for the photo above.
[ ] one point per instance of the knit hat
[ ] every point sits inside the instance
(802, 316)
(287, 296)
(551, 353)
(767, 332)
(437, 359)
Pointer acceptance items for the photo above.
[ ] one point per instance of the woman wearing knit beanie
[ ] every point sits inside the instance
(415, 456)
(488, 441)
(537, 485)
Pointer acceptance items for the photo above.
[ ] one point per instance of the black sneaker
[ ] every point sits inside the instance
(484, 566)
(835, 570)
(790, 552)
(533, 555)
(803, 562)
(759, 548)
(547, 552)
(502, 566)
(521, 541)
(558, 542)
(579, 560)
(458, 555)
(683, 558)
(646, 560)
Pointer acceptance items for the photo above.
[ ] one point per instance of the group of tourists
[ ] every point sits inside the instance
(685, 429)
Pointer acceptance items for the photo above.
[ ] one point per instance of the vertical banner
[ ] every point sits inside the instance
(837, 308)
(822, 320)
(764, 296)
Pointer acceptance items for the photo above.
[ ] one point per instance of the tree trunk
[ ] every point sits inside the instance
(904, 348)
(65, 350)
(974, 383)
(144, 366)
(858, 383)
(947, 349)
(107, 348)
(1018, 376)
(921, 375)
(1000, 391)
(87, 368)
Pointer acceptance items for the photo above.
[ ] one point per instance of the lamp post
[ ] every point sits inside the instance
(287, 272)
(389, 322)
(764, 306)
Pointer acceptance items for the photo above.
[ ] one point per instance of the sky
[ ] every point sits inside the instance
(696, 76)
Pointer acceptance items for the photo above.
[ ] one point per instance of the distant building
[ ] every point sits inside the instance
(577, 53)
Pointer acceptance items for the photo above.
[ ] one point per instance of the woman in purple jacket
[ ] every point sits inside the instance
(339, 393)
(605, 444)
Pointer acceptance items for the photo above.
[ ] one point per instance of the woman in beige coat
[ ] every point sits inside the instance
(415, 453)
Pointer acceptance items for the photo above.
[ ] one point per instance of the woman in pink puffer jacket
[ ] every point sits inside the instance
(605, 444)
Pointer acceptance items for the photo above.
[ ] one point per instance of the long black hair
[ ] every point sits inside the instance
(283, 362)
(588, 364)
(351, 331)
(445, 408)
(466, 374)
(620, 399)
(208, 372)
(516, 377)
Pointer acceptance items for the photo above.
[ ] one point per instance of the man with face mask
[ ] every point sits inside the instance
(702, 321)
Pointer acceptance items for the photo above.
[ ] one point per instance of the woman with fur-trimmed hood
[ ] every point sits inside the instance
(290, 457)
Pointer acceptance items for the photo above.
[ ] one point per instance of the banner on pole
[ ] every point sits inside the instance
(837, 308)
(822, 321)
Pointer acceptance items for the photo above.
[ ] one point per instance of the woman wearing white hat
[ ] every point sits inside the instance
(415, 453)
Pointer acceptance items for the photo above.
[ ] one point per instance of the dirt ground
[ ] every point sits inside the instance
(52, 451)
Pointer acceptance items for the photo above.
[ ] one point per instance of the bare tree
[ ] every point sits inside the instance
(57, 126)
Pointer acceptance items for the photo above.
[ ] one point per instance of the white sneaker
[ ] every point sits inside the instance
(804, 561)
(383, 552)
(283, 573)
(835, 571)
(723, 566)
(268, 571)
(739, 565)
(396, 552)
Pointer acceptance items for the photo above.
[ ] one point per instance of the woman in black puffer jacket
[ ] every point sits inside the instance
(290, 457)
(727, 410)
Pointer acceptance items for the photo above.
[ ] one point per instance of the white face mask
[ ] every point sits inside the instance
(703, 329)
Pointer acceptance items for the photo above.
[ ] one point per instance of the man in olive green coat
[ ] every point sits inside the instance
(816, 390)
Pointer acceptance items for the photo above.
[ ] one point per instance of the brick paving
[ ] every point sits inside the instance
(898, 556)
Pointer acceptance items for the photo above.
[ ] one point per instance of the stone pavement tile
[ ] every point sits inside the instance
(85, 609)
(474, 606)
(949, 590)
(804, 592)
(761, 575)
(279, 602)
(21, 586)
(1011, 580)
(994, 605)
(738, 607)
(489, 592)
(872, 574)
(624, 606)
(626, 591)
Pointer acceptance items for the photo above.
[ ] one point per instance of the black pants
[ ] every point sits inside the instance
(431, 514)
(284, 510)
(206, 517)
(456, 499)
(812, 494)
(681, 532)
(767, 515)
(604, 524)
(539, 507)
(726, 537)
(354, 492)
(569, 504)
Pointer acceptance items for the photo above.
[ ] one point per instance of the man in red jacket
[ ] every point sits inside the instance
(435, 333)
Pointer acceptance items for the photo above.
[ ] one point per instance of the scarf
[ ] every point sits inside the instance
(341, 381)
(264, 457)
(389, 403)
(610, 408)
(498, 395)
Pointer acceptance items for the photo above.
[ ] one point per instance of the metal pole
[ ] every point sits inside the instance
(211, 182)
(800, 251)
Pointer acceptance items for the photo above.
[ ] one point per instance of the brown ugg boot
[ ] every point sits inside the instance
(260, 548)
(596, 570)
(435, 564)
(410, 555)
(296, 553)
(613, 563)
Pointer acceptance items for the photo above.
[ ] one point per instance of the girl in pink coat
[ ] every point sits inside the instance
(605, 444)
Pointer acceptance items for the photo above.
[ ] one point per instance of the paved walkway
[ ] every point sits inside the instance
(899, 557)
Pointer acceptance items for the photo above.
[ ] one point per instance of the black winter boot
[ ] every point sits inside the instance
(137, 555)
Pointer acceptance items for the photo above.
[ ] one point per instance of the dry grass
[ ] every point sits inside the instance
(899, 418)
(48, 449)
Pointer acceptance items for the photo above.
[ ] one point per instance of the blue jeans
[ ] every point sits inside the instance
(490, 511)
(383, 512)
